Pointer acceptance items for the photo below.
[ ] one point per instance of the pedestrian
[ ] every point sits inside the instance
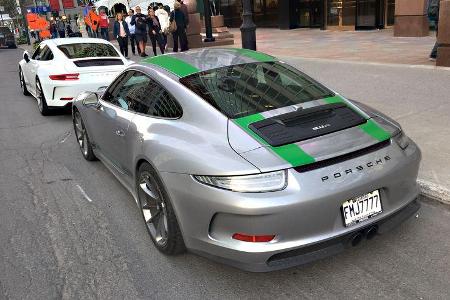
(140, 21)
(433, 15)
(53, 30)
(94, 20)
(132, 30)
(163, 18)
(154, 31)
(185, 11)
(104, 25)
(178, 17)
(121, 32)
(74, 28)
(60, 26)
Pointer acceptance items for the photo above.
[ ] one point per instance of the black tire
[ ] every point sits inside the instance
(158, 213)
(42, 103)
(13, 46)
(82, 137)
(23, 86)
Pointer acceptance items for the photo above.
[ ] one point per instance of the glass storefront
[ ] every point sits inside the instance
(265, 12)
(344, 14)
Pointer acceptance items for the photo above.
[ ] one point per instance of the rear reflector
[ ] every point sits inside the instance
(253, 238)
(66, 99)
(65, 76)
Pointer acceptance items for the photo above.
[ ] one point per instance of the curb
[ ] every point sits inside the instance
(434, 191)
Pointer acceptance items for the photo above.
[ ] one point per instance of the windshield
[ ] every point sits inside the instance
(246, 89)
(88, 50)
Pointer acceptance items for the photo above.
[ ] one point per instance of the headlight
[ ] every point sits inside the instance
(265, 182)
(402, 140)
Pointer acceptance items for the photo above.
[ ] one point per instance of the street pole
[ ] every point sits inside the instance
(208, 27)
(248, 28)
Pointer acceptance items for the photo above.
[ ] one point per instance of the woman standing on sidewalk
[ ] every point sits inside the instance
(154, 31)
(122, 33)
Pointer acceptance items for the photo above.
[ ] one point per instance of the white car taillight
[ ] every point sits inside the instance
(73, 76)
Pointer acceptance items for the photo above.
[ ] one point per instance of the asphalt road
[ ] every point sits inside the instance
(55, 243)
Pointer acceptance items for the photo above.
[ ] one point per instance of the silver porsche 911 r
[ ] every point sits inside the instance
(237, 156)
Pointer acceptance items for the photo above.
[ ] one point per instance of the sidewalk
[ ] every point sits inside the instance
(378, 46)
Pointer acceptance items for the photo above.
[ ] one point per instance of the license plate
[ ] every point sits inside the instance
(361, 208)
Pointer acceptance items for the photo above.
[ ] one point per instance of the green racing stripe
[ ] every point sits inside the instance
(370, 127)
(291, 153)
(172, 64)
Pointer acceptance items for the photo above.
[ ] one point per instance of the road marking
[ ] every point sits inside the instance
(65, 138)
(84, 193)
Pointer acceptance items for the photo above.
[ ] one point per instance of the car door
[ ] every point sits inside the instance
(38, 60)
(110, 123)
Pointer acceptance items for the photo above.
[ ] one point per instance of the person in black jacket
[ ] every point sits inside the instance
(154, 31)
(180, 33)
(140, 21)
(121, 32)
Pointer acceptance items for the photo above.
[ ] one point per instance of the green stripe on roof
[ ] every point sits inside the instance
(375, 131)
(259, 56)
(291, 153)
(172, 64)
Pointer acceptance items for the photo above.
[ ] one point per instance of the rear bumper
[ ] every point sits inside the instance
(323, 249)
(305, 218)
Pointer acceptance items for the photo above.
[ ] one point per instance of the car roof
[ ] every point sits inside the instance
(67, 41)
(193, 61)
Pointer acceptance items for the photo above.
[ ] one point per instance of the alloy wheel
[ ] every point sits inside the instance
(40, 96)
(22, 82)
(153, 208)
(80, 132)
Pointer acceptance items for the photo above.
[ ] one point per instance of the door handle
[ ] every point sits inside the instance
(120, 132)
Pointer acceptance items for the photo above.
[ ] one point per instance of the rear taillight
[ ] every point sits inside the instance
(253, 238)
(73, 76)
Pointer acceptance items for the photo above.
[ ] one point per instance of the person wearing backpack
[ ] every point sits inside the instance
(140, 22)
(433, 15)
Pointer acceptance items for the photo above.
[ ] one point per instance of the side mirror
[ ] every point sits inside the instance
(26, 56)
(91, 99)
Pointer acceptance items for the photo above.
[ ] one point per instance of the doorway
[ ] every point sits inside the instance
(310, 13)
(370, 14)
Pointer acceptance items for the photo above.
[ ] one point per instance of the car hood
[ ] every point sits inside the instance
(308, 133)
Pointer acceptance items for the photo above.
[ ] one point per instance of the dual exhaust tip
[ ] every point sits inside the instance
(368, 233)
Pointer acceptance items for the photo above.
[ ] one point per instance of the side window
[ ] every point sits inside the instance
(143, 95)
(37, 53)
(47, 54)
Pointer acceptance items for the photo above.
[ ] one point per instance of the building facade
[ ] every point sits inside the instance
(331, 14)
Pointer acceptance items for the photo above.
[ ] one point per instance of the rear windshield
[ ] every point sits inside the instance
(246, 89)
(88, 50)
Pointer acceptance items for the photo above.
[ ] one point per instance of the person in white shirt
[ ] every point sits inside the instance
(163, 17)
(132, 29)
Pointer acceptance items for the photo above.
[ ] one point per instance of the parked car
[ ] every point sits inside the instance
(7, 38)
(237, 156)
(60, 69)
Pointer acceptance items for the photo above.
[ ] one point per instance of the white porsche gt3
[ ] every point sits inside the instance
(60, 69)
